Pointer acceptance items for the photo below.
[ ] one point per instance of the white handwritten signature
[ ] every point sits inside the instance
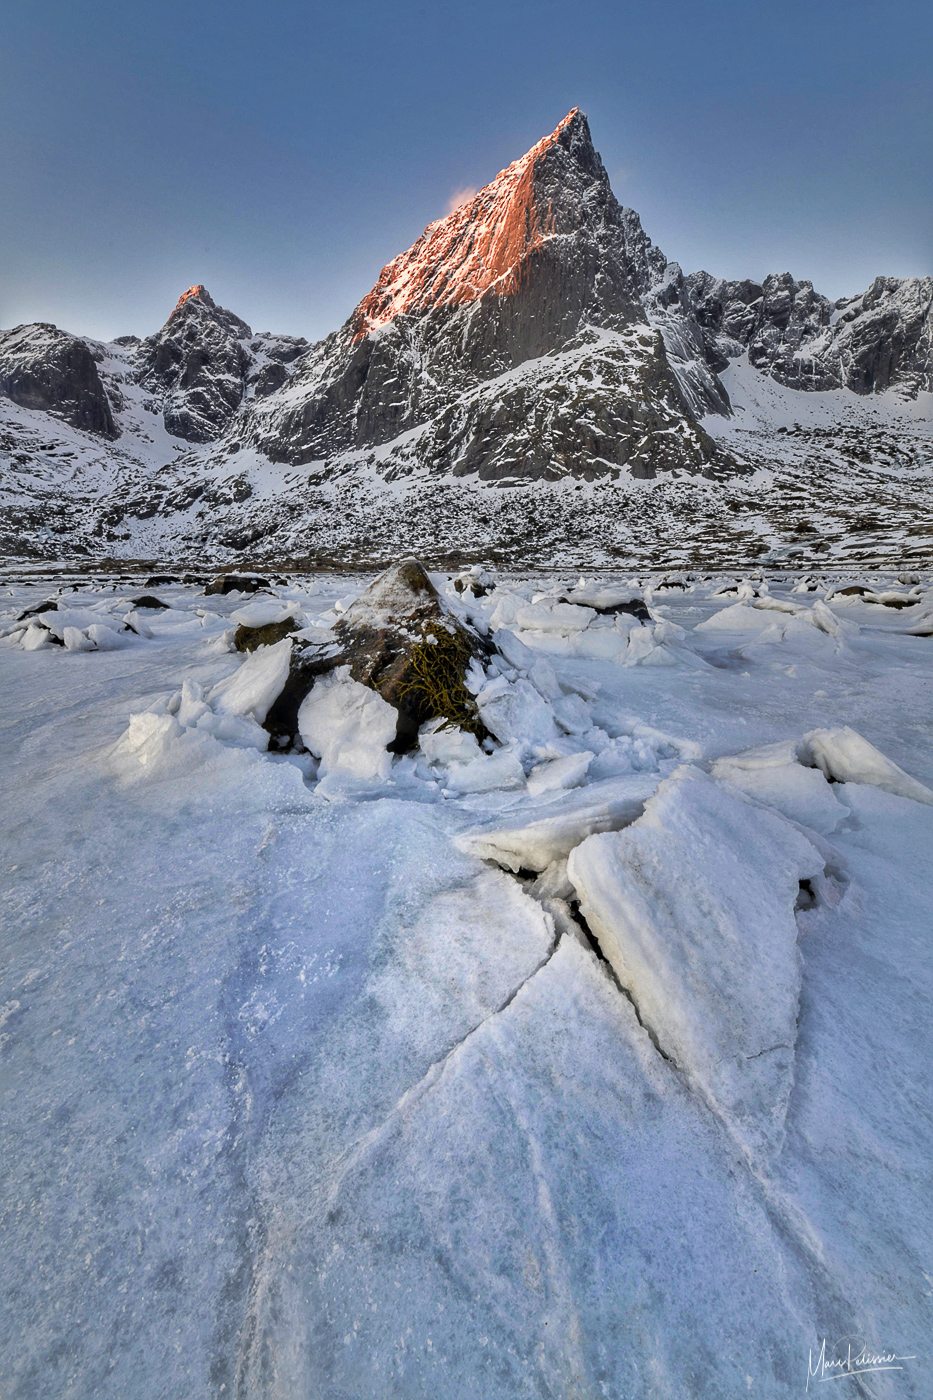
(850, 1357)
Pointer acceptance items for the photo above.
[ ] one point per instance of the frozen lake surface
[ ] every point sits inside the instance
(596, 1065)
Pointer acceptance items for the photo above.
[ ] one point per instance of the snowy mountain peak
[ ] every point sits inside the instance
(197, 304)
(482, 245)
(197, 292)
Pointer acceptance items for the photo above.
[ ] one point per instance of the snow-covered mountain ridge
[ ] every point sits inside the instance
(534, 338)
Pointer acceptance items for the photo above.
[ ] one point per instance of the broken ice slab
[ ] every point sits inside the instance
(537, 835)
(693, 907)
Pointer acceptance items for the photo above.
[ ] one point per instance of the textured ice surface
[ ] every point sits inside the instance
(536, 835)
(300, 1098)
(693, 906)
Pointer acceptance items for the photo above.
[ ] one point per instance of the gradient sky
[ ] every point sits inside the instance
(280, 153)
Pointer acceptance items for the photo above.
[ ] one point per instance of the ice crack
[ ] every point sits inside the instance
(432, 1076)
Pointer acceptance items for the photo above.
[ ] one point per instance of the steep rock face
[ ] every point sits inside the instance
(525, 271)
(609, 400)
(884, 338)
(198, 361)
(879, 340)
(272, 360)
(776, 321)
(45, 368)
(205, 362)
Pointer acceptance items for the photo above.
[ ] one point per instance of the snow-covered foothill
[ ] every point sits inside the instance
(693, 907)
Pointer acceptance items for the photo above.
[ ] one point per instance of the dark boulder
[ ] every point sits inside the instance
(50, 605)
(247, 638)
(236, 583)
(635, 608)
(401, 640)
(148, 600)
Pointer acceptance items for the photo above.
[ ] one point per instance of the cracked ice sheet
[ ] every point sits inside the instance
(173, 975)
(535, 835)
(856, 1161)
(159, 1045)
(554, 1215)
(147, 1056)
(693, 906)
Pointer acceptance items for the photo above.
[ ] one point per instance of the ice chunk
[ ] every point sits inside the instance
(514, 650)
(76, 640)
(514, 710)
(536, 836)
(443, 743)
(108, 638)
(559, 773)
(773, 775)
(77, 619)
(843, 755)
(826, 620)
(544, 678)
(255, 684)
(739, 617)
(693, 907)
(264, 611)
(487, 773)
(572, 714)
(562, 618)
(605, 641)
(347, 726)
(138, 624)
(647, 645)
(36, 636)
(158, 743)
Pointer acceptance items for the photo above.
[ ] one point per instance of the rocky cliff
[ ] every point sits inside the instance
(44, 368)
(513, 335)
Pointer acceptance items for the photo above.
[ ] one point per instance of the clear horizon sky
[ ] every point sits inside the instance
(281, 154)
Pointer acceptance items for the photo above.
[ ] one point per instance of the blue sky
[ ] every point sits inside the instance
(281, 153)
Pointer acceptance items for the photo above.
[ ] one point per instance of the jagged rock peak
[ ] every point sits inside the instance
(197, 303)
(482, 245)
(197, 292)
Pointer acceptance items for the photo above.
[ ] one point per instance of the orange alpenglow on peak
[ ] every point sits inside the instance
(480, 245)
(198, 290)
